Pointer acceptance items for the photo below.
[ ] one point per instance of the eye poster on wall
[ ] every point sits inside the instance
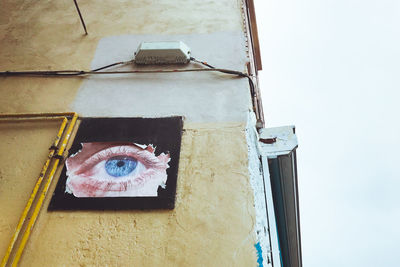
(121, 163)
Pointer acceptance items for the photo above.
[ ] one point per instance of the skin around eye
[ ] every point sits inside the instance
(116, 170)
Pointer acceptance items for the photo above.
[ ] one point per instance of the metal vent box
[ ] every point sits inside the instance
(162, 53)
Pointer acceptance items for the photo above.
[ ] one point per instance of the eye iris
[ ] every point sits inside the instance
(120, 166)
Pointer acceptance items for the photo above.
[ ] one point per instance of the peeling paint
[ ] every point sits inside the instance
(257, 183)
(259, 254)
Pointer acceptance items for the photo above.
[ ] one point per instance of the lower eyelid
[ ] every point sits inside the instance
(92, 171)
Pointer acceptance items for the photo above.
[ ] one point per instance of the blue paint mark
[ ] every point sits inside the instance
(259, 254)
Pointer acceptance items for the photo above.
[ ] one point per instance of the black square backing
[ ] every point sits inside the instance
(164, 133)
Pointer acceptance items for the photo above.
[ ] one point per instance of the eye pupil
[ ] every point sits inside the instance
(120, 166)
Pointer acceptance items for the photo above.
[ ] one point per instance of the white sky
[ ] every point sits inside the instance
(332, 68)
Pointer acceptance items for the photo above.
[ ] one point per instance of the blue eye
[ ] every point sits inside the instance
(120, 166)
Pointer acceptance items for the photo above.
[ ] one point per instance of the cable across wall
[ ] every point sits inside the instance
(101, 71)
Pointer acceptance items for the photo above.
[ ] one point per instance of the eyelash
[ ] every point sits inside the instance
(140, 156)
(93, 171)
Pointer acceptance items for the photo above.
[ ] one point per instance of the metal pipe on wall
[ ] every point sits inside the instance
(54, 149)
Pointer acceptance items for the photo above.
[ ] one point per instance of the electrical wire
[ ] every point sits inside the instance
(83, 73)
(241, 74)
(202, 62)
(114, 64)
(67, 73)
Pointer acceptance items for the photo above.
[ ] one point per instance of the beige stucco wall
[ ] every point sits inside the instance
(213, 221)
(48, 35)
(23, 150)
(211, 225)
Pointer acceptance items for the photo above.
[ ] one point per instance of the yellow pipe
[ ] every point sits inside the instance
(32, 115)
(33, 195)
(22, 119)
(39, 204)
